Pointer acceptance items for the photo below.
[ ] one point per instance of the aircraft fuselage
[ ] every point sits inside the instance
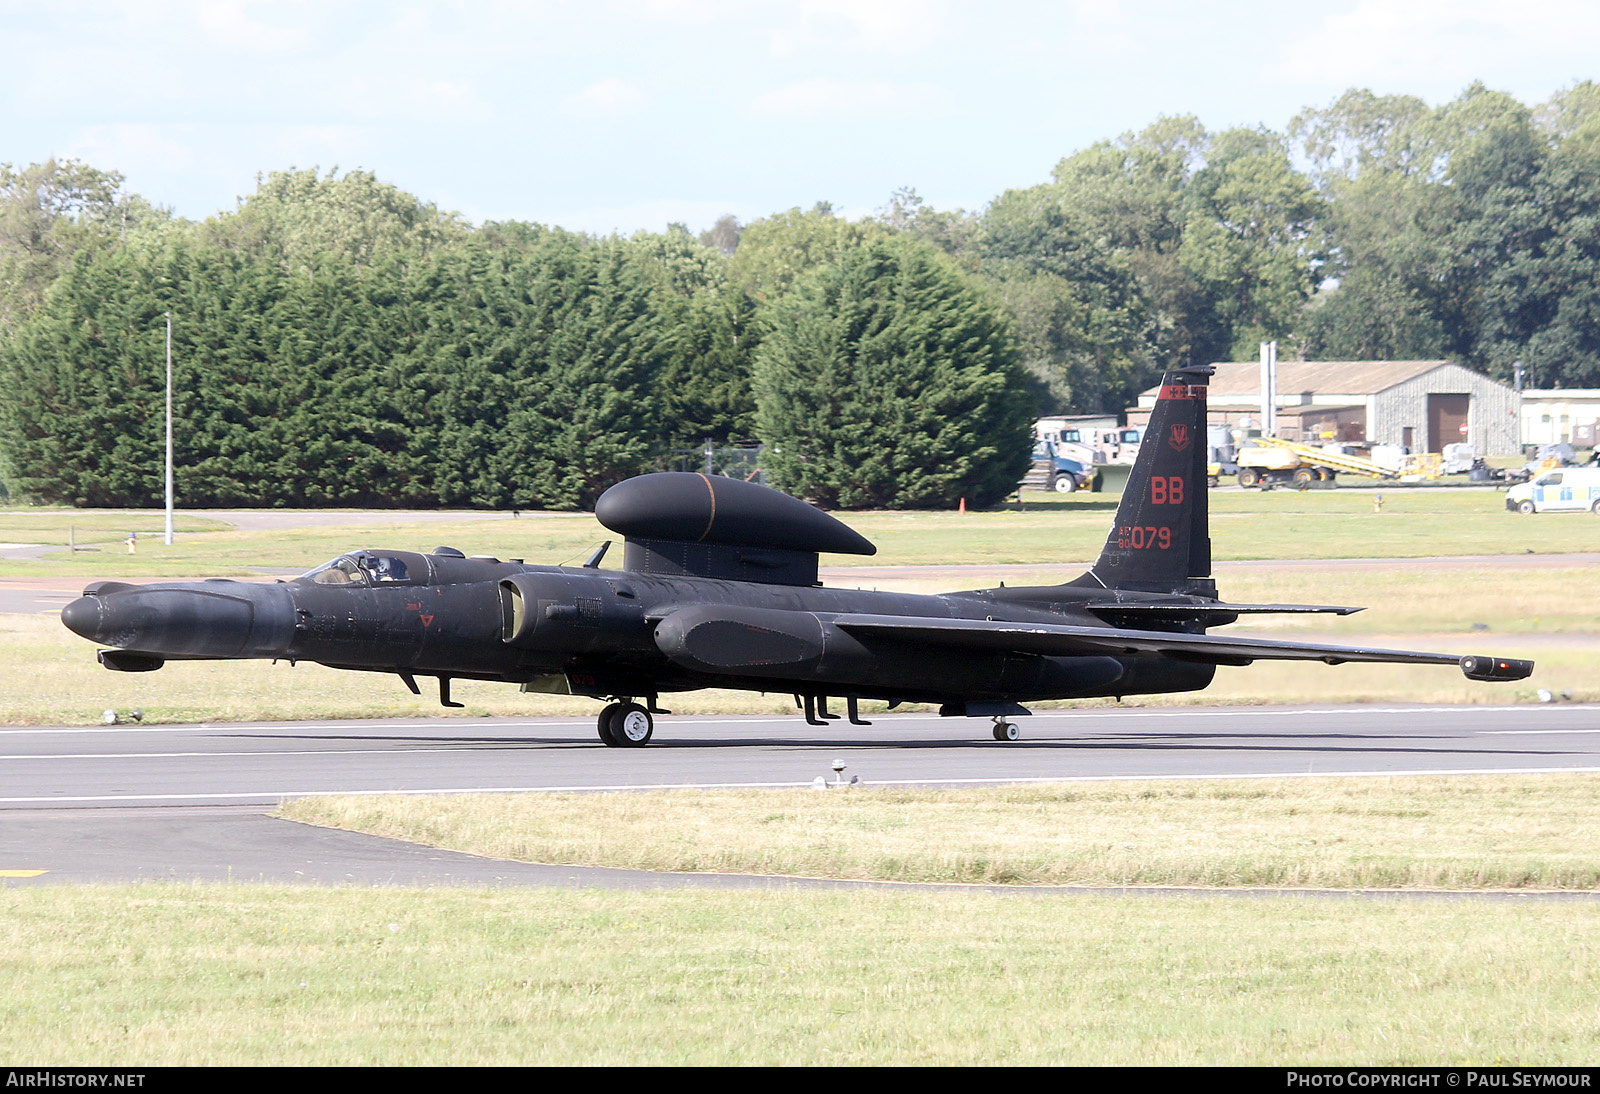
(606, 632)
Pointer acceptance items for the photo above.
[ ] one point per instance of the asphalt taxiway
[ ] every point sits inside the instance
(186, 802)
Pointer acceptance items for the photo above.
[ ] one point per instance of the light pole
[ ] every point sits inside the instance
(169, 428)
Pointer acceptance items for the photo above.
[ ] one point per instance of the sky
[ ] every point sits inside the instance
(621, 115)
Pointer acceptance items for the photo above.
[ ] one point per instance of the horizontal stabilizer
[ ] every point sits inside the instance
(1156, 610)
(1066, 641)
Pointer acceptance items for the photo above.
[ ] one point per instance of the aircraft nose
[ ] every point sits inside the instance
(185, 619)
(82, 616)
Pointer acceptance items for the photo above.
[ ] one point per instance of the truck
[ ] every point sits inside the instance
(1053, 471)
(1075, 436)
(1268, 461)
(1563, 489)
(1119, 445)
(1090, 439)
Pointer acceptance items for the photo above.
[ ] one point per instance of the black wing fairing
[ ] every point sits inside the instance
(1065, 640)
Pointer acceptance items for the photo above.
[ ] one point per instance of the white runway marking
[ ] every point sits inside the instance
(1532, 732)
(478, 746)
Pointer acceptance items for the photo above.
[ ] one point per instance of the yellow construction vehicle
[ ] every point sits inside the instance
(1268, 461)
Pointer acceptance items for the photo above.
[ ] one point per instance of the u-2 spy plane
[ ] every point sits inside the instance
(719, 589)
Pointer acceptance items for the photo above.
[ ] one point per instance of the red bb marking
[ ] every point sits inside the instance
(1165, 490)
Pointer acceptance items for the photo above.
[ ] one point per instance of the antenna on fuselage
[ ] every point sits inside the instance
(599, 552)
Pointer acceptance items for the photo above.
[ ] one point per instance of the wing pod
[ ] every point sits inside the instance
(687, 507)
(684, 524)
(743, 641)
(1495, 668)
(777, 644)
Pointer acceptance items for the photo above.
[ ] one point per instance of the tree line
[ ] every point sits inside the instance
(339, 341)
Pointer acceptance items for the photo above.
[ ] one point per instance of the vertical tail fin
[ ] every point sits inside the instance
(1161, 540)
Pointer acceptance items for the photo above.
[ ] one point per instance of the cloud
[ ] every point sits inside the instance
(818, 99)
(1442, 43)
(606, 99)
(871, 26)
(138, 149)
(229, 23)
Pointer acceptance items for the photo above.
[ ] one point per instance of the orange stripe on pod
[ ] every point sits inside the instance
(713, 491)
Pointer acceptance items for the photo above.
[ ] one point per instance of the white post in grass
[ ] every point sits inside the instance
(1269, 389)
(169, 428)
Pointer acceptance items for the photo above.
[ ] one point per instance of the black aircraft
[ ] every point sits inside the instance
(719, 589)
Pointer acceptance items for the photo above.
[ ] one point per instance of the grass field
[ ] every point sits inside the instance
(1066, 530)
(245, 974)
(1460, 832)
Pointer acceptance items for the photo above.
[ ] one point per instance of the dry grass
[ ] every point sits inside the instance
(1464, 832)
(131, 977)
(1068, 530)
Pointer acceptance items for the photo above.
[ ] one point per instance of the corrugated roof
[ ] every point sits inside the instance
(1236, 379)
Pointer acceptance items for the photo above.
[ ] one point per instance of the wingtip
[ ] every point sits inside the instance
(1495, 668)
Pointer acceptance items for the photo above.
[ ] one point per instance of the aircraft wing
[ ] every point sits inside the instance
(1065, 640)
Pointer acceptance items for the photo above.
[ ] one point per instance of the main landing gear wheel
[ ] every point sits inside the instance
(631, 726)
(1006, 731)
(606, 715)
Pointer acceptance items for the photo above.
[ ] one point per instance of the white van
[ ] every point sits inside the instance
(1563, 489)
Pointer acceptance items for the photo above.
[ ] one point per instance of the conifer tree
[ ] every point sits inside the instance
(888, 379)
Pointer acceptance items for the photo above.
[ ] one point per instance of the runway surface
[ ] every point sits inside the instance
(190, 802)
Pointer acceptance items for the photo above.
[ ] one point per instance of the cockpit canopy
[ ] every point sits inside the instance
(370, 568)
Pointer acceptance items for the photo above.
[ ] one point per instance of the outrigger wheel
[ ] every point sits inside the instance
(1006, 731)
